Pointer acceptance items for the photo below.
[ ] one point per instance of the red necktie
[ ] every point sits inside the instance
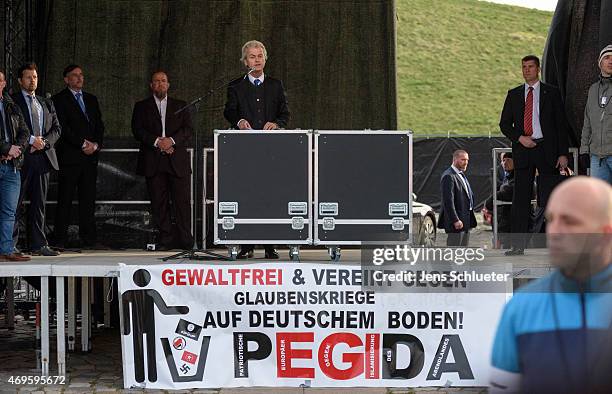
(528, 118)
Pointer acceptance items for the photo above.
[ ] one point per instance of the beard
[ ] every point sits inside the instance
(161, 95)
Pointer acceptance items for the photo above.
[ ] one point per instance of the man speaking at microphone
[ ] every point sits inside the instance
(258, 102)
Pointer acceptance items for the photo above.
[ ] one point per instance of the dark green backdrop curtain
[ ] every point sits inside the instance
(336, 58)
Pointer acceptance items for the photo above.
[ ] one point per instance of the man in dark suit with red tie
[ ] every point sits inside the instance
(533, 118)
(256, 101)
(164, 161)
(78, 149)
(40, 158)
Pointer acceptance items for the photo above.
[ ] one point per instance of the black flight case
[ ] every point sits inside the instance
(263, 188)
(362, 188)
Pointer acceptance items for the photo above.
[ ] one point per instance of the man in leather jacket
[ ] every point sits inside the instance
(13, 142)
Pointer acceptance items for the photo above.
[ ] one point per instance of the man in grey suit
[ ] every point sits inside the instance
(40, 158)
(457, 207)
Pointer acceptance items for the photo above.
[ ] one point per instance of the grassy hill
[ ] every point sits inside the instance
(456, 59)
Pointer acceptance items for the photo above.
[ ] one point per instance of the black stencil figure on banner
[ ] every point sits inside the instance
(141, 320)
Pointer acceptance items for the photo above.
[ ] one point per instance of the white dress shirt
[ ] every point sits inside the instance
(465, 186)
(38, 108)
(162, 105)
(261, 78)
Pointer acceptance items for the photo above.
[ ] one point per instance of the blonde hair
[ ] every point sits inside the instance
(458, 153)
(253, 44)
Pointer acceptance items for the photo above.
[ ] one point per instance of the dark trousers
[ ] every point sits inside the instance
(460, 238)
(81, 178)
(165, 187)
(34, 185)
(548, 178)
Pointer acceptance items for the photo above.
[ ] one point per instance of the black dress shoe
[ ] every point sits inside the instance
(271, 255)
(245, 254)
(45, 251)
(514, 252)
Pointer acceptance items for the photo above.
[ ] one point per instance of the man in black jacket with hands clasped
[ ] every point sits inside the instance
(78, 150)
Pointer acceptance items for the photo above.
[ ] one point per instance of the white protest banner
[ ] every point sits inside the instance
(281, 324)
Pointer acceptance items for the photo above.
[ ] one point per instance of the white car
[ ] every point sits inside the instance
(424, 224)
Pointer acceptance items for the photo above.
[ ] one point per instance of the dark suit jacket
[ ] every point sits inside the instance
(147, 127)
(455, 203)
(76, 127)
(17, 127)
(51, 127)
(552, 120)
(239, 99)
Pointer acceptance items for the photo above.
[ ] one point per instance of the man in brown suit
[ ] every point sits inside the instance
(164, 161)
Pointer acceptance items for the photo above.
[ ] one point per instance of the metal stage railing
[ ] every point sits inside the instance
(495, 159)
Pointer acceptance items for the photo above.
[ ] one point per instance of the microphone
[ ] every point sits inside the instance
(249, 72)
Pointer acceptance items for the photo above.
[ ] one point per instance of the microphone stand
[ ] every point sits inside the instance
(194, 253)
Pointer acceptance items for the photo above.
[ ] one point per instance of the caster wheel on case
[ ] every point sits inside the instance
(294, 253)
(232, 252)
(334, 253)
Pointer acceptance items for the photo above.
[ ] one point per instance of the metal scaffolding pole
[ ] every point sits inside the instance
(18, 18)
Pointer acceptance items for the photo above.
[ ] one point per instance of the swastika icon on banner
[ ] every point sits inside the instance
(185, 368)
